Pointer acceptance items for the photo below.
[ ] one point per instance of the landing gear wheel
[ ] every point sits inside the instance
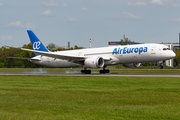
(104, 71)
(86, 71)
(101, 71)
(161, 66)
(107, 71)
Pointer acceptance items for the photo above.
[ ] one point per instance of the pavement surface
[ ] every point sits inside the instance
(79, 74)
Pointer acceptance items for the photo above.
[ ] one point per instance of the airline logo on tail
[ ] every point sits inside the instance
(36, 45)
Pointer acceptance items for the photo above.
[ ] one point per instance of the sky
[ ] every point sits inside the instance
(78, 21)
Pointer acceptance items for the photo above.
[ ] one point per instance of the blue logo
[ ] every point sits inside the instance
(36, 45)
(127, 50)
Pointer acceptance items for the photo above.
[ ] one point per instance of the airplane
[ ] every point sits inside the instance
(128, 55)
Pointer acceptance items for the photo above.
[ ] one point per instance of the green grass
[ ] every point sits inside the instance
(89, 98)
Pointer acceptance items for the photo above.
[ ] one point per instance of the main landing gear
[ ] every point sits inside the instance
(103, 71)
(86, 71)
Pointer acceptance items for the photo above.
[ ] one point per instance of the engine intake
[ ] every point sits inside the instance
(94, 62)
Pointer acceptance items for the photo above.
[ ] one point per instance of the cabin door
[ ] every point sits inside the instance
(153, 50)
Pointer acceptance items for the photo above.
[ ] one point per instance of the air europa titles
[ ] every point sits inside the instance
(127, 50)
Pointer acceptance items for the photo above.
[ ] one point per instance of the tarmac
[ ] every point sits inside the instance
(80, 74)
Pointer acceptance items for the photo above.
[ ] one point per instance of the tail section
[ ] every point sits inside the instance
(36, 43)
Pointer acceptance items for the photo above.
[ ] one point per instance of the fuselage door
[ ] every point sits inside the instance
(153, 50)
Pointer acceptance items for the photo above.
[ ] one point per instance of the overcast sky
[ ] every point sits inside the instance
(76, 21)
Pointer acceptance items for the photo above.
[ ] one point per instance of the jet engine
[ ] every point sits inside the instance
(94, 62)
(132, 65)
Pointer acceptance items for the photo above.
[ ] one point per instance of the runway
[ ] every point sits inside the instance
(79, 74)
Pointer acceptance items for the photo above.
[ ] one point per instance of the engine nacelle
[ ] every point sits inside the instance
(94, 62)
(132, 65)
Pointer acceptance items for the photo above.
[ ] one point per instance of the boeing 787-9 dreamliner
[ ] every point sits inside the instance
(128, 55)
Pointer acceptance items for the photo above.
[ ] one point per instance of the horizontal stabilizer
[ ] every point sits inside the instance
(23, 58)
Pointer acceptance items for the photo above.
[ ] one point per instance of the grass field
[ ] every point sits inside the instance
(89, 98)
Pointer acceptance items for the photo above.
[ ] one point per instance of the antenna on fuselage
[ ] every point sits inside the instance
(90, 40)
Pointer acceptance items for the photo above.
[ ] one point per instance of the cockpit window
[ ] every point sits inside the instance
(166, 49)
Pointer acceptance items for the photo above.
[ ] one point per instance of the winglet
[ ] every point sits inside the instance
(36, 43)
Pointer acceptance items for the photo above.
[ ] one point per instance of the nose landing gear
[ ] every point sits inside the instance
(161, 64)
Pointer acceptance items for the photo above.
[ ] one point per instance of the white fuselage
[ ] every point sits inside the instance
(112, 55)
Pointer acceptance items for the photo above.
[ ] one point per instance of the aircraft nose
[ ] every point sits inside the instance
(172, 54)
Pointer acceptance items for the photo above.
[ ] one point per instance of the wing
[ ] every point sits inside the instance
(57, 55)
